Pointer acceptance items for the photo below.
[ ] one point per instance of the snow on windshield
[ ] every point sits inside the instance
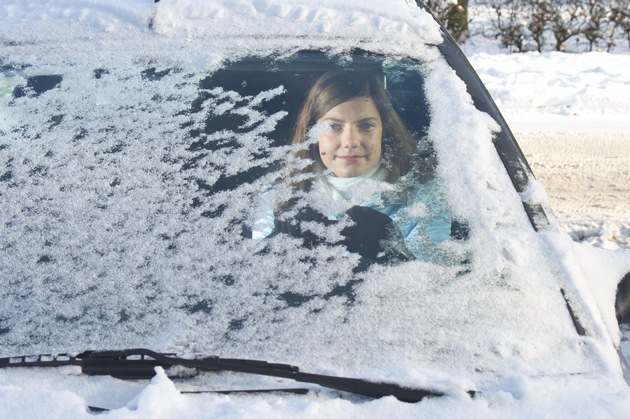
(132, 183)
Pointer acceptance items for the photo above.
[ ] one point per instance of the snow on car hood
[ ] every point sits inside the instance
(115, 232)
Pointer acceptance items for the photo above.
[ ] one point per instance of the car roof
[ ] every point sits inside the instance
(197, 20)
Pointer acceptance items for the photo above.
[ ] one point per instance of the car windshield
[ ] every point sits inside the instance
(153, 203)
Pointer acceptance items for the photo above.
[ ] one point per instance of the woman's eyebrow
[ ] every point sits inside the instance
(333, 119)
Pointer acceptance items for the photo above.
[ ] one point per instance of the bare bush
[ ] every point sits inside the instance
(453, 14)
(620, 20)
(597, 24)
(525, 25)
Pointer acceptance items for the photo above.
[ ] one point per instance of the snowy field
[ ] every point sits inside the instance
(571, 116)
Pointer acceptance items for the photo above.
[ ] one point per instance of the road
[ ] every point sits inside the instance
(587, 178)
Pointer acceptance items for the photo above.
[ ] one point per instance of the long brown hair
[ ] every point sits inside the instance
(336, 87)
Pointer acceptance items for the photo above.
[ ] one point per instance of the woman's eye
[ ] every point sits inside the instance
(335, 127)
(366, 126)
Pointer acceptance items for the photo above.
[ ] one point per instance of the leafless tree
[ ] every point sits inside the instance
(567, 18)
(620, 20)
(597, 22)
(524, 25)
(453, 14)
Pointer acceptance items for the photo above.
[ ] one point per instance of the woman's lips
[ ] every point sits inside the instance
(350, 159)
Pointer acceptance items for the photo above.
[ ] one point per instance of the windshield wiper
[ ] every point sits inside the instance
(140, 364)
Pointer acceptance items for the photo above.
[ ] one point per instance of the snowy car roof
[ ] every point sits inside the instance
(198, 21)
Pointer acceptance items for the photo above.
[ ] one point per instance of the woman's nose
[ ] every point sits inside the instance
(349, 139)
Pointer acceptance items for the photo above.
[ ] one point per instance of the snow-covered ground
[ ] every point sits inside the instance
(571, 116)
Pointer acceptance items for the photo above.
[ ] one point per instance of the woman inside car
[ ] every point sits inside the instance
(357, 130)
(351, 148)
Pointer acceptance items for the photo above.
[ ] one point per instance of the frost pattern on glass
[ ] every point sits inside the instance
(128, 197)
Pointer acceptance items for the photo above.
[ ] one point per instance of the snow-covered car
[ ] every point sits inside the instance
(167, 183)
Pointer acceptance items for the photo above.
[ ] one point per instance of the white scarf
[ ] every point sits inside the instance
(337, 186)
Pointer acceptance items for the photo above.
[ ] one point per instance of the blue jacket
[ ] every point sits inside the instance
(421, 216)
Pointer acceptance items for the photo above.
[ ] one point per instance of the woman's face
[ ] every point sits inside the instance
(350, 143)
